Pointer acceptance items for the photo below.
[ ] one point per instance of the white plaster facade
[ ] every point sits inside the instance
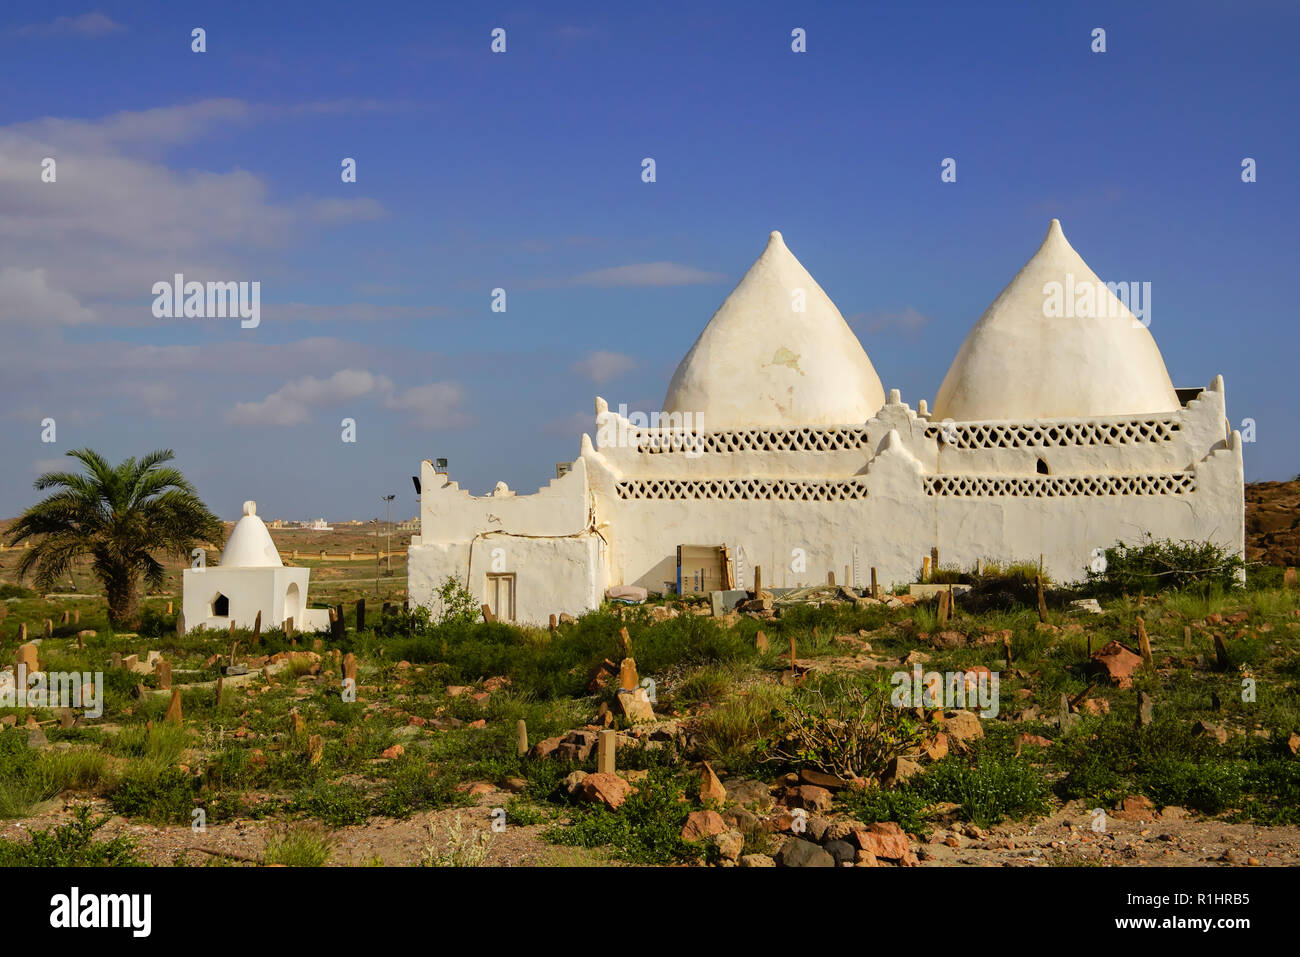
(250, 579)
(798, 477)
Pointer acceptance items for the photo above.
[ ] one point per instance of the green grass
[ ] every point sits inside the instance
(645, 830)
(299, 845)
(71, 845)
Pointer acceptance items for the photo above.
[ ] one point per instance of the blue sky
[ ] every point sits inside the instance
(522, 171)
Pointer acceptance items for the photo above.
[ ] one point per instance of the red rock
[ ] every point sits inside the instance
(962, 727)
(546, 747)
(1118, 662)
(882, 839)
(703, 824)
(396, 751)
(822, 780)
(1037, 740)
(936, 746)
(810, 797)
(948, 639)
(1135, 807)
(711, 788)
(607, 789)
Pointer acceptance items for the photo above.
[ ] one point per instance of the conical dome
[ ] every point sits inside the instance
(249, 544)
(762, 363)
(1056, 344)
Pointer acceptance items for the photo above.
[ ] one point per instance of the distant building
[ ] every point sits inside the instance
(250, 579)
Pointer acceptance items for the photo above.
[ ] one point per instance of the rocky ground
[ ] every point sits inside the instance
(1133, 837)
(1273, 523)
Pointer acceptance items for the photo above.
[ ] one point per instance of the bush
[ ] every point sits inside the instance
(842, 727)
(299, 845)
(647, 829)
(70, 845)
(989, 790)
(1165, 565)
(456, 603)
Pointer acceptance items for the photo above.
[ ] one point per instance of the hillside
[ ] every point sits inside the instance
(1273, 522)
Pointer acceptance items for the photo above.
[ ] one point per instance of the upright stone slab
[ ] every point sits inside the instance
(163, 671)
(28, 657)
(606, 745)
(627, 676)
(173, 715)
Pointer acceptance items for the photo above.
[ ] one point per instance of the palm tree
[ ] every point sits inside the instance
(120, 516)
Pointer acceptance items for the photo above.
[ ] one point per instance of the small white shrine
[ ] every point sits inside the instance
(1056, 432)
(250, 579)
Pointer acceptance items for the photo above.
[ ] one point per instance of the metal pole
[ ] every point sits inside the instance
(388, 521)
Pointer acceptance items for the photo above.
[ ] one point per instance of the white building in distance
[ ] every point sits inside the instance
(1056, 432)
(250, 579)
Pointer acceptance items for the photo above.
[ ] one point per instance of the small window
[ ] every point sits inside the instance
(220, 606)
(501, 595)
(1042, 468)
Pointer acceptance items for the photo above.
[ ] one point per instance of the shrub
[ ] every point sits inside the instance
(840, 727)
(457, 850)
(989, 790)
(299, 845)
(71, 845)
(647, 829)
(1164, 565)
(455, 603)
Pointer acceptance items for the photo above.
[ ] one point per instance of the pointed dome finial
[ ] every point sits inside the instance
(250, 507)
(1056, 343)
(777, 353)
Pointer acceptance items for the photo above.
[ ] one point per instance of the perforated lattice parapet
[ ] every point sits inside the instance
(970, 435)
(1052, 486)
(754, 440)
(778, 490)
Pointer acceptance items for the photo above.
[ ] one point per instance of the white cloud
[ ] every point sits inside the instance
(26, 296)
(602, 366)
(291, 404)
(436, 405)
(117, 219)
(648, 274)
(86, 25)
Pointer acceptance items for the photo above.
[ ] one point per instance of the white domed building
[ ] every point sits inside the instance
(1056, 432)
(250, 579)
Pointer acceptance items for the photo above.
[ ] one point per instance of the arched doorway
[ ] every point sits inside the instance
(293, 604)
